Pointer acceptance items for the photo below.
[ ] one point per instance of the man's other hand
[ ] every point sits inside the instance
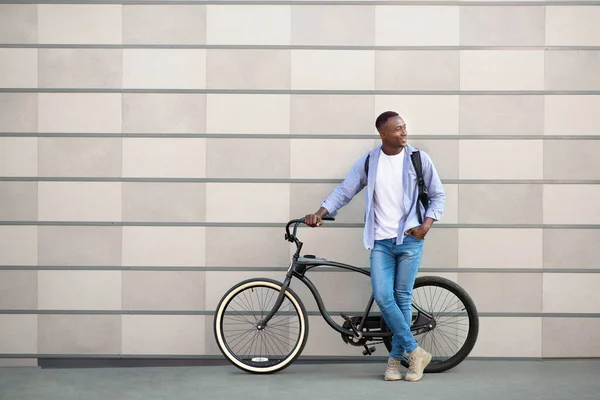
(419, 232)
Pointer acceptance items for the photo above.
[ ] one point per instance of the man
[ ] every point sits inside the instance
(392, 231)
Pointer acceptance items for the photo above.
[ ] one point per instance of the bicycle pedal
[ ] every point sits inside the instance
(368, 351)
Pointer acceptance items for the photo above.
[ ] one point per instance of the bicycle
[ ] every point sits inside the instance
(276, 332)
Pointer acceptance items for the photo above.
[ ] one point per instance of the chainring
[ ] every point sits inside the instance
(350, 339)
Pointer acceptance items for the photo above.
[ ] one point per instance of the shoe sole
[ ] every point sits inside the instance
(392, 379)
(425, 364)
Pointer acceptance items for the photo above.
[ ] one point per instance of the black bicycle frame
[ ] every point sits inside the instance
(299, 272)
(299, 268)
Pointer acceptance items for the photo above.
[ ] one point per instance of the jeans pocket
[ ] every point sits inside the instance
(416, 239)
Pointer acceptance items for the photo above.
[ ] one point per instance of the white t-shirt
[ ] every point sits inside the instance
(389, 195)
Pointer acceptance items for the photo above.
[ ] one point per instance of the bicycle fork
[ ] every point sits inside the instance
(284, 287)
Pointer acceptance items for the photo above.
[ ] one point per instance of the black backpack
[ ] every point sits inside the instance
(423, 194)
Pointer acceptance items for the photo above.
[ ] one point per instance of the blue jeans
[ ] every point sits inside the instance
(393, 273)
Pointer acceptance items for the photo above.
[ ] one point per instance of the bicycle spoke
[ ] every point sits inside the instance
(276, 345)
(443, 337)
(237, 340)
(252, 305)
(444, 301)
(281, 341)
(433, 307)
(419, 297)
(252, 342)
(450, 305)
(269, 346)
(244, 307)
(236, 335)
(447, 336)
(429, 303)
(260, 304)
(248, 342)
(278, 329)
(272, 296)
(242, 318)
(447, 326)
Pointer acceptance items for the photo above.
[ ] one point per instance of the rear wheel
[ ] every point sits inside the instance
(456, 322)
(256, 350)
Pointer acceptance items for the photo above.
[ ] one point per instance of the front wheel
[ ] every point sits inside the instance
(236, 330)
(456, 322)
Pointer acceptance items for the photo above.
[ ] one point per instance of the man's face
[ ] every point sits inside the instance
(394, 132)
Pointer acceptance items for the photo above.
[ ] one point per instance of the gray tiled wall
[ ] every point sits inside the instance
(150, 153)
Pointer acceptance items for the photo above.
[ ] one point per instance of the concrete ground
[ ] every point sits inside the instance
(489, 380)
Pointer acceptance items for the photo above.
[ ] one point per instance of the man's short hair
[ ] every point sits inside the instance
(383, 118)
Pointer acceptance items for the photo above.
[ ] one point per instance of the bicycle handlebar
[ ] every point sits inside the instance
(296, 222)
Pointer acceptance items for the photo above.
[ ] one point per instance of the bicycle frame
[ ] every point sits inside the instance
(298, 268)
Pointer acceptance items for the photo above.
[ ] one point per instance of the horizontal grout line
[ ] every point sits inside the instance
(309, 313)
(288, 180)
(514, 270)
(305, 92)
(282, 224)
(110, 312)
(100, 356)
(314, 2)
(537, 315)
(201, 46)
(292, 136)
(282, 269)
(97, 356)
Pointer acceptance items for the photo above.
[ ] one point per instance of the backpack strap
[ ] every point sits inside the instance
(367, 167)
(423, 194)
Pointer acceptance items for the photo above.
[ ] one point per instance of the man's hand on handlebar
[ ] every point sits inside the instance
(313, 220)
(316, 219)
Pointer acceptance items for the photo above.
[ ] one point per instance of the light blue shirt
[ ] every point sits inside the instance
(356, 180)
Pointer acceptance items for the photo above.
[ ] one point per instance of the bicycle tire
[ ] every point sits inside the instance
(219, 319)
(473, 316)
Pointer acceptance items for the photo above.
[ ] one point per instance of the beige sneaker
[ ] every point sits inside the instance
(392, 371)
(417, 361)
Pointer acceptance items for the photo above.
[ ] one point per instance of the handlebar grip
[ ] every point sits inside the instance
(327, 218)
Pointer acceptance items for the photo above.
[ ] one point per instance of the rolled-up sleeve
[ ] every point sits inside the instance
(437, 195)
(345, 191)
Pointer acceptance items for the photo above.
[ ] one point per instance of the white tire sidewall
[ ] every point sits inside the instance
(226, 351)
